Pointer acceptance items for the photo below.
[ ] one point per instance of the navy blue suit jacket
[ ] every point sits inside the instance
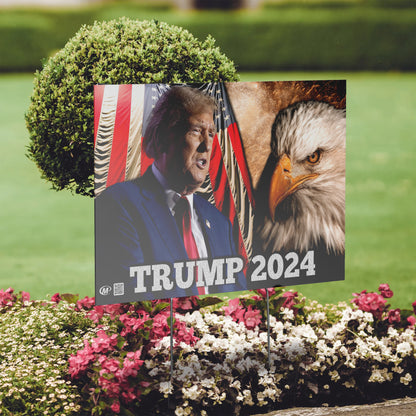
(134, 226)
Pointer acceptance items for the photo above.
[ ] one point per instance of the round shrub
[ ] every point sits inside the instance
(60, 118)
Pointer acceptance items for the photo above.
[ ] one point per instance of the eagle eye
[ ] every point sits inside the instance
(314, 158)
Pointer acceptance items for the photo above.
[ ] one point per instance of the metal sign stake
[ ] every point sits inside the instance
(268, 330)
(171, 340)
(171, 352)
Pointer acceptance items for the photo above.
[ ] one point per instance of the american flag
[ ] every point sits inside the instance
(120, 116)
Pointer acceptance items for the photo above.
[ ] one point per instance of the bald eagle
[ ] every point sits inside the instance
(301, 193)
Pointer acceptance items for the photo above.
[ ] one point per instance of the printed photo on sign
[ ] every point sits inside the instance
(217, 187)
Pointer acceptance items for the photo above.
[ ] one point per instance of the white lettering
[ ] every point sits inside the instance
(161, 274)
(184, 284)
(139, 272)
(207, 276)
(234, 265)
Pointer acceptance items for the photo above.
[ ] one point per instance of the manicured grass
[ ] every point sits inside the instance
(46, 242)
(47, 238)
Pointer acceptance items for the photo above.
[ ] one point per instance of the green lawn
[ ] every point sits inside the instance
(47, 244)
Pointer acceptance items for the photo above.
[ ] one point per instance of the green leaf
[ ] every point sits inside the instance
(70, 298)
(160, 307)
(208, 301)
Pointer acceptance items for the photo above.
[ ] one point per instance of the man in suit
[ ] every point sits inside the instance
(151, 232)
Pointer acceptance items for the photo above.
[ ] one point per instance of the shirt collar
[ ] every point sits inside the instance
(171, 195)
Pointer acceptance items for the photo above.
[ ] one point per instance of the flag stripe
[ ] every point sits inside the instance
(146, 161)
(98, 102)
(105, 133)
(241, 160)
(222, 193)
(135, 132)
(117, 167)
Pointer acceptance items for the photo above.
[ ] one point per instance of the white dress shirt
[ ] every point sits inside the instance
(171, 199)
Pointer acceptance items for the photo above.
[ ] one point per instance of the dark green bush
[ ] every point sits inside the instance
(21, 41)
(294, 34)
(321, 39)
(60, 118)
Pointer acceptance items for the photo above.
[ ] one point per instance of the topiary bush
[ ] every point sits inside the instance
(60, 118)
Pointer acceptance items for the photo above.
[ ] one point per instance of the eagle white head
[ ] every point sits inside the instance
(306, 190)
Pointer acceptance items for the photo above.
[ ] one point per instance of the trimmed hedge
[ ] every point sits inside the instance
(60, 118)
(336, 36)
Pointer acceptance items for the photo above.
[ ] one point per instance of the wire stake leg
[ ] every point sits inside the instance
(268, 330)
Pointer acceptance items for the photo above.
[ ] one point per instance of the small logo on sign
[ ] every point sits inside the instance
(105, 290)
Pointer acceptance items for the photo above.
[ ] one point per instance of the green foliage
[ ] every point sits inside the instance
(36, 341)
(60, 118)
(26, 34)
(289, 34)
(348, 38)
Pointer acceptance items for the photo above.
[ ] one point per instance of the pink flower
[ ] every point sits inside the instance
(96, 313)
(133, 324)
(131, 364)
(385, 291)
(25, 296)
(233, 306)
(252, 317)
(185, 303)
(160, 328)
(394, 316)
(289, 299)
(238, 315)
(104, 343)
(263, 292)
(111, 388)
(6, 297)
(86, 303)
(129, 394)
(370, 302)
(79, 362)
(115, 407)
(235, 310)
(184, 334)
(113, 310)
(56, 298)
(411, 320)
(109, 366)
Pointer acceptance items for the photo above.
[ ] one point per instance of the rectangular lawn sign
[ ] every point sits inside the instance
(217, 187)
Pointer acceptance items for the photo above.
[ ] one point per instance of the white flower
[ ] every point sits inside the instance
(334, 375)
(295, 347)
(191, 393)
(288, 314)
(349, 384)
(404, 348)
(380, 375)
(165, 388)
(406, 379)
(208, 382)
(397, 369)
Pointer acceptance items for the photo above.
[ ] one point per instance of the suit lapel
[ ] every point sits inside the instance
(208, 224)
(163, 221)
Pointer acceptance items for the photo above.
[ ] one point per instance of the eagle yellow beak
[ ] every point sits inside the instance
(284, 184)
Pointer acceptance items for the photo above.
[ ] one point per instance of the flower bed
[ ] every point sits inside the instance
(67, 356)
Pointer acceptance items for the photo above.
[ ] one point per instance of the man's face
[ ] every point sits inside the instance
(187, 160)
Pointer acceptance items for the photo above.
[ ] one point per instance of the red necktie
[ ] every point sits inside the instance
(183, 217)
